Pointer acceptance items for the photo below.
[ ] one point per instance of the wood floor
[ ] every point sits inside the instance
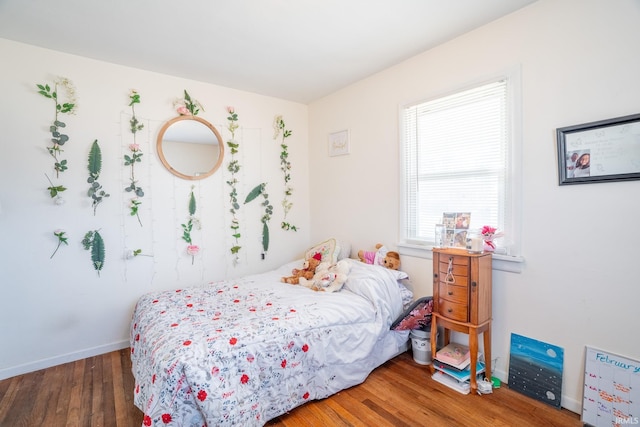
(97, 392)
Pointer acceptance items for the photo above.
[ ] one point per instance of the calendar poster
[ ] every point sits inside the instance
(611, 389)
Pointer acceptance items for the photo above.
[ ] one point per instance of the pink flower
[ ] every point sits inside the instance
(488, 230)
(134, 147)
(193, 251)
(183, 111)
(231, 110)
(489, 234)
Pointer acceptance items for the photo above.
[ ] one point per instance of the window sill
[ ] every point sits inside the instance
(510, 263)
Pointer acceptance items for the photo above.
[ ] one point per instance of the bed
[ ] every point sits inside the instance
(244, 351)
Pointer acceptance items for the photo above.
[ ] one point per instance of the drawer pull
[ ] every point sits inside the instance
(450, 278)
(450, 310)
(450, 293)
(474, 284)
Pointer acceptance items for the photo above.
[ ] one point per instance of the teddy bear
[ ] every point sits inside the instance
(381, 256)
(307, 271)
(328, 278)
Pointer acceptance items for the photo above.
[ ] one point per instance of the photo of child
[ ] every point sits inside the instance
(456, 225)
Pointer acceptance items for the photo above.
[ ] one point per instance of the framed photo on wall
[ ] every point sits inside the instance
(607, 150)
(339, 143)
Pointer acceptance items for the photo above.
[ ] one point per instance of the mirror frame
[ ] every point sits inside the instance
(176, 172)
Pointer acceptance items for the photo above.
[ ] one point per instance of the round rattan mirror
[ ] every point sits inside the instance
(190, 147)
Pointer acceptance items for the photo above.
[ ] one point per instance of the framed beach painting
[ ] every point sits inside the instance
(535, 369)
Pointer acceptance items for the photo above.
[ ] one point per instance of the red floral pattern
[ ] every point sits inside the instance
(223, 354)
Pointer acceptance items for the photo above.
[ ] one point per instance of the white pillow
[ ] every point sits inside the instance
(345, 249)
(329, 250)
(399, 275)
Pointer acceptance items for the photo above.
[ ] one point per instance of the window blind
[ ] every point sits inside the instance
(456, 154)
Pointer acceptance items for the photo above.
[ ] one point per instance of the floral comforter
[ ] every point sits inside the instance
(243, 351)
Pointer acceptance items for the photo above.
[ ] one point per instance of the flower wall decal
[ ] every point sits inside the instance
(55, 190)
(95, 167)
(58, 139)
(187, 106)
(93, 242)
(62, 240)
(134, 157)
(285, 166)
(261, 190)
(188, 227)
(234, 169)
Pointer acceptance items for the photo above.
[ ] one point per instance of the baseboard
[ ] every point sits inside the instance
(59, 360)
(567, 403)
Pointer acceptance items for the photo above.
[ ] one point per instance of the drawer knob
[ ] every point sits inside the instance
(450, 293)
(474, 284)
(450, 310)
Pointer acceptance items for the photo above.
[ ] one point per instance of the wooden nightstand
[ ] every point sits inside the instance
(462, 301)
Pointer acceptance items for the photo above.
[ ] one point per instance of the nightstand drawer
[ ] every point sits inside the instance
(456, 273)
(452, 310)
(457, 261)
(458, 294)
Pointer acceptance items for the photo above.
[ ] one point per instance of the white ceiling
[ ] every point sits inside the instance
(300, 50)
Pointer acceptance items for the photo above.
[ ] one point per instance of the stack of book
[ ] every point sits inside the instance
(452, 364)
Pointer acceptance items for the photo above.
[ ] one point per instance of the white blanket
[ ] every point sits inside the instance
(243, 351)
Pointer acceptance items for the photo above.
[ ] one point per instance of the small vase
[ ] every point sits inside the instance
(489, 246)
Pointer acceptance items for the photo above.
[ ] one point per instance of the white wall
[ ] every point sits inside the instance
(57, 310)
(579, 283)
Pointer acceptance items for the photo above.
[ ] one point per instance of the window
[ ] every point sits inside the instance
(458, 156)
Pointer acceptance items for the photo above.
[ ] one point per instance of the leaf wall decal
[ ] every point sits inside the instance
(95, 160)
(98, 252)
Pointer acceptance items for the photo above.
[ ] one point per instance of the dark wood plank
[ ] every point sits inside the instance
(98, 392)
(75, 398)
